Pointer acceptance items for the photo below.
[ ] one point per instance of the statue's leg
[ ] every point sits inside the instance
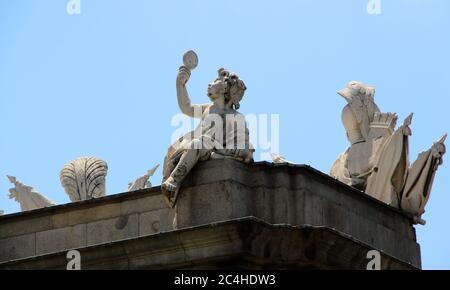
(188, 159)
(339, 169)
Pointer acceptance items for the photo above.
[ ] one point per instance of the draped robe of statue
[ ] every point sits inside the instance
(212, 145)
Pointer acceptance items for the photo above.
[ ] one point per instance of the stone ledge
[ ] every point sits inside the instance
(246, 243)
(216, 191)
(63, 208)
(156, 190)
(198, 177)
(297, 195)
(72, 214)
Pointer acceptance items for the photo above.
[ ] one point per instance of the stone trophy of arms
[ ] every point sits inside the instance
(27, 196)
(221, 133)
(143, 182)
(377, 160)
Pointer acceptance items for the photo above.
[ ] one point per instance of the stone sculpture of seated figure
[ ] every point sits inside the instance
(222, 132)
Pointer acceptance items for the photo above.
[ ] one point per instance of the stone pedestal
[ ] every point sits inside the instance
(229, 215)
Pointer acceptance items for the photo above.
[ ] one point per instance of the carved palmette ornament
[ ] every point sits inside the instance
(84, 178)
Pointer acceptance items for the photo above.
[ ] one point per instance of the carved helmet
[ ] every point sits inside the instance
(358, 114)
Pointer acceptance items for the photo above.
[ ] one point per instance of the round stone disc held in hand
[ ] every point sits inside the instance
(190, 59)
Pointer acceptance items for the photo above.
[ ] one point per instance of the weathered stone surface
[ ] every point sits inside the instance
(119, 228)
(85, 215)
(134, 230)
(17, 247)
(70, 226)
(295, 195)
(148, 203)
(155, 221)
(61, 239)
(24, 223)
(238, 244)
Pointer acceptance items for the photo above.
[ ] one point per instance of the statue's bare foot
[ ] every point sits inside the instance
(170, 185)
(169, 189)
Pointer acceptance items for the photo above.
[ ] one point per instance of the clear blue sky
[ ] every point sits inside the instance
(102, 83)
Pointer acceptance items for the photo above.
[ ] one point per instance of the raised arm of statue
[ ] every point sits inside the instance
(184, 102)
(184, 73)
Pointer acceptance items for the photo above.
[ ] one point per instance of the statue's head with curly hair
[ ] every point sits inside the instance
(229, 86)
